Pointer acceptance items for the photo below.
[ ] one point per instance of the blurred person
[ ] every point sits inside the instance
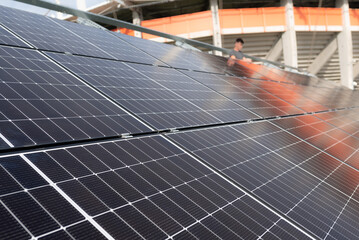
(237, 54)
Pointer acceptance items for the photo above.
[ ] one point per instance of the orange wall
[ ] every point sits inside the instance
(247, 20)
(327, 18)
(354, 17)
(182, 24)
(252, 17)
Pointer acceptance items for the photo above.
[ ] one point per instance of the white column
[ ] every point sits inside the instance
(58, 14)
(345, 47)
(217, 37)
(81, 4)
(289, 37)
(276, 51)
(136, 19)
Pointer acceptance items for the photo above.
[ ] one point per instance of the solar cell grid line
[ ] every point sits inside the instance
(302, 184)
(246, 94)
(338, 182)
(198, 199)
(107, 42)
(201, 95)
(44, 33)
(280, 91)
(347, 120)
(329, 97)
(155, 94)
(174, 56)
(313, 130)
(340, 214)
(42, 103)
(7, 38)
(31, 209)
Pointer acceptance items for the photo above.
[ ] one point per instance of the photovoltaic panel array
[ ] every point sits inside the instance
(248, 95)
(8, 39)
(161, 96)
(41, 103)
(296, 175)
(175, 56)
(208, 151)
(130, 193)
(60, 36)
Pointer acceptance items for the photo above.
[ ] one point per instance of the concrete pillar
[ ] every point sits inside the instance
(136, 19)
(345, 47)
(58, 14)
(81, 4)
(289, 38)
(323, 57)
(217, 36)
(276, 51)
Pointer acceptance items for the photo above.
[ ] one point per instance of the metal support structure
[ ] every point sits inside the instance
(289, 36)
(276, 51)
(345, 47)
(323, 57)
(217, 36)
(137, 19)
(122, 24)
(186, 46)
(137, 16)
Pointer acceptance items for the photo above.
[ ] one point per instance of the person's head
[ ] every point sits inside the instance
(238, 45)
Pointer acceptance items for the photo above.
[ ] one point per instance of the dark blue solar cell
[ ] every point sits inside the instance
(11, 228)
(56, 205)
(83, 197)
(116, 227)
(84, 231)
(9, 184)
(22, 172)
(140, 223)
(48, 166)
(9, 39)
(159, 217)
(103, 191)
(30, 213)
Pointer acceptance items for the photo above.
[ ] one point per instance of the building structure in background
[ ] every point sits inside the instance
(323, 41)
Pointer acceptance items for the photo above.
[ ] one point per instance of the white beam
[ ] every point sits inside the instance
(289, 37)
(323, 57)
(345, 47)
(276, 51)
(217, 37)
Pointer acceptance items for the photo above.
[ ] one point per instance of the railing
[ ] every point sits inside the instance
(123, 24)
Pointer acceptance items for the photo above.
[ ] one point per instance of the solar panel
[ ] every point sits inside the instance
(161, 96)
(232, 169)
(41, 103)
(176, 56)
(8, 38)
(44, 33)
(293, 97)
(308, 184)
(107, 42)
(120, 189)
(248, 95)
